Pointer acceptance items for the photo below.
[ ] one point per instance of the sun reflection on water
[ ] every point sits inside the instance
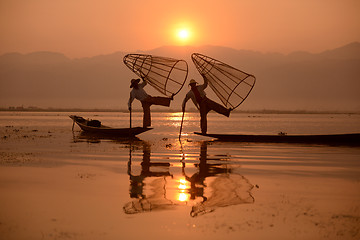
(176, 118)
(183, 197)
(183, 189)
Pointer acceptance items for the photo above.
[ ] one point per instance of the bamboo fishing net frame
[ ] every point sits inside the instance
(231, 85)
(166, 75)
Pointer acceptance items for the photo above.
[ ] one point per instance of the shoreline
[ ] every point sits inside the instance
(264, 111)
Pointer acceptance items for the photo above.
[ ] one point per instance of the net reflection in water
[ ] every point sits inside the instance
(227, 190)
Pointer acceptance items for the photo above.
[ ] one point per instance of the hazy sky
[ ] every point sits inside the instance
(84, 28)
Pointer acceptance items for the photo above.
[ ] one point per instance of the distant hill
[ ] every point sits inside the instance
(298, 81)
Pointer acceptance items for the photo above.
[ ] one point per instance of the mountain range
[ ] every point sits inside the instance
(326, 81)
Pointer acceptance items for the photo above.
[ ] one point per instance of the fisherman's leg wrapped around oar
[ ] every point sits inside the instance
(147, 114)
(206, 106)
(146, 104)
(211, 105)
(161, 101)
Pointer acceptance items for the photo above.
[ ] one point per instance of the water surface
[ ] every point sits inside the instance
(59, 184)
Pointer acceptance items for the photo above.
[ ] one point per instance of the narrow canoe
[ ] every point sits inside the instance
(98, 128)
(334, 139)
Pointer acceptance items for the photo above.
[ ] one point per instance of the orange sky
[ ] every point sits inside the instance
(84, 28)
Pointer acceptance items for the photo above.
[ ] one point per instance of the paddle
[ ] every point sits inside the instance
(130, 132)
(182, 121)
(181, 146)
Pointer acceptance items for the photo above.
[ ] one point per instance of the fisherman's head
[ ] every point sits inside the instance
(192, 83)
(134, 82)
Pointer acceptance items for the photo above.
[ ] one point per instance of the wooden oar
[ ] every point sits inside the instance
(182, 121)
(130, 130)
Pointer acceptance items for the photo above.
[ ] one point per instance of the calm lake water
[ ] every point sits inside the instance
(198, 188)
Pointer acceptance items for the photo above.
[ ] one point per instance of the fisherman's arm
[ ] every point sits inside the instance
(205, 83)
(187, 97)
(143, 84)
(195, 103)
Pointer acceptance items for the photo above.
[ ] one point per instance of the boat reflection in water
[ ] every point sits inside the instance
(89, 137)
(205, 183)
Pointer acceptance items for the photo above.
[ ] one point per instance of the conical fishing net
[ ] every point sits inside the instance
(167, 75)
(231, 85)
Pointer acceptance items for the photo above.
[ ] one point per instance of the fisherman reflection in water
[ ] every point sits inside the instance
(146, 100)
(156, 200)
(205, 170)
(203, 104)
(151, 189)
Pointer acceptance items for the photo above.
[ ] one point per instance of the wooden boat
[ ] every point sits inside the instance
(95, 127)
(333, 139)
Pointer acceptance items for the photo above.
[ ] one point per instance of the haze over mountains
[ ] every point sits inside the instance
(327, 81)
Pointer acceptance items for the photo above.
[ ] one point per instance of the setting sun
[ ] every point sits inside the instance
(183, 34)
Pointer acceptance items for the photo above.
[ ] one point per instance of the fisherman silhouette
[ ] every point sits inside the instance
(205, 169)
(150, 202)
(146, 100)
(204, 104)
